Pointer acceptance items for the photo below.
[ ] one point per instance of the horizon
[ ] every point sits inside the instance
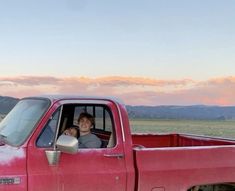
(143, 52)
(193, 105)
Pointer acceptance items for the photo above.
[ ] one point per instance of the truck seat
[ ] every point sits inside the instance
(111, 142)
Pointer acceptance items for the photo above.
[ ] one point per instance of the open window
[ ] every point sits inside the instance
(103, 128)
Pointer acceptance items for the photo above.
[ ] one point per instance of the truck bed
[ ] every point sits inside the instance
(177, 162)
(177, 140)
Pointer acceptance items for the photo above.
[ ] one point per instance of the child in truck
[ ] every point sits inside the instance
(72, 131)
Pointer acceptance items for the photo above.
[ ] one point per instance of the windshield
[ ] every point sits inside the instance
(18, 124)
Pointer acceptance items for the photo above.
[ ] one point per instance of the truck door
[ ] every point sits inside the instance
(93, 169)
(98, 169)
(41, 175)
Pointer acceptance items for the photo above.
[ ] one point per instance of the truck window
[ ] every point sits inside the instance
(20, 122)
(103, 119)
(47, 136)
(102, 115)
(103, 127)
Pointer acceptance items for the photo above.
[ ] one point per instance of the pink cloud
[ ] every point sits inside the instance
(103, 81)
(133, 90)
(29, 80)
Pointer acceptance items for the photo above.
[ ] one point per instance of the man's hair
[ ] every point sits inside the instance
(88, 116)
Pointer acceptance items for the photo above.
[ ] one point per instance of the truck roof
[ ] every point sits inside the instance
(57, 97)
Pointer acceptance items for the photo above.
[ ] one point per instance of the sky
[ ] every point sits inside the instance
(152, 52)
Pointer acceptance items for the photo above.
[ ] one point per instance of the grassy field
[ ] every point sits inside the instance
(224, 129)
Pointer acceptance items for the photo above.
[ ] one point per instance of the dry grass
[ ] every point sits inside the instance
(200, 127)
(214, 128)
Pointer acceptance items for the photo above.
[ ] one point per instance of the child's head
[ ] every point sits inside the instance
(72, 131)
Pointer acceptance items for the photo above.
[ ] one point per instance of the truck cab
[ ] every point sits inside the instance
(31, 131)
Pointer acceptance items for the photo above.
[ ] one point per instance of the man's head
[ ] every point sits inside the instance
(72, 131)
(85, 123)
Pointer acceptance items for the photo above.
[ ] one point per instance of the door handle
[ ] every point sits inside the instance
(118, 155)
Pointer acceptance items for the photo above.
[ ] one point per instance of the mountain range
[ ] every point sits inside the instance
(6, 104)
(192, 112)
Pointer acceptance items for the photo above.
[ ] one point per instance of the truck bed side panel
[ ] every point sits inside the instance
(177, 140)
(177, 169)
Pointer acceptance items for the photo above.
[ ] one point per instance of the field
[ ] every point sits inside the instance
(215, 128)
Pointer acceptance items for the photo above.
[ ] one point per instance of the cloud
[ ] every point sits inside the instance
(102, 81)
(133, 90)
(129, 81)
(28, 80)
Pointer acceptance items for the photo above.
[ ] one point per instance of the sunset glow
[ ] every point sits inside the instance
(144, 52)
(133, 90)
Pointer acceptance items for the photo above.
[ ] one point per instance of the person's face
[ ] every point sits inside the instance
(85, 125)
(71, 132)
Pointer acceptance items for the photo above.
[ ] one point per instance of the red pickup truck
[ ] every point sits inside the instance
(36, 156)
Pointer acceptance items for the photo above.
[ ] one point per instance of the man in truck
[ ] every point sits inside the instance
(87, 139)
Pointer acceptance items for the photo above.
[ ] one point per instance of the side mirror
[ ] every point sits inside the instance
(67, 144)
(53, 157)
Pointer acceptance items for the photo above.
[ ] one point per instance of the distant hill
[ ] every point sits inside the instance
(156, 112)
(6, 104)
(182, 112)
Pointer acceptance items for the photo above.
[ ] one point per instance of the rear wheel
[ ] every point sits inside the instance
(213, 187)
